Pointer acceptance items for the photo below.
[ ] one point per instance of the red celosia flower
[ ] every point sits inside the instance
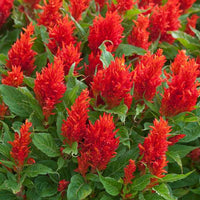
(63, 186)
(77, 7)
(164, 19)
(83, 164)
(3, 109)
(147, 75)
(99, 145)
(175, 139)
(61, 33)
(113, 84)
(32, 3)
(128, 172)
(140, 36)
(20, 146)
(21, 53)
(69, 54)
(74, 128)
(14, 78)
(108, 28)
(146, 3)
(49, 87)
(191, 22)
(195, 155)
(185, 5)
(182, 93)
(101, 3)
(50, 14)
(5, 7)
(154, 148)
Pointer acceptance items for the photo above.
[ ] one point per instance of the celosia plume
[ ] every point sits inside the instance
(49, 87)
(191, 22)
(3, 110)
(14, 77)
(128, 172)
(74, 127)
(21, 53)
(113, 84)
(108, 28)
(173, 140)
(186, 4)
(146, 3)
(147, 75)
(63, 184)
(195, 155)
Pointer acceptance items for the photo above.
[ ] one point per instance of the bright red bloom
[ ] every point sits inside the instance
(99, 145)
(20, 146)
(83, 164)
(69, 54)
(185, 5)
(128, 172)
(195, 155)
(14, 77)
(50, 14)
(164, 19)
(5, 7)
(182, 93)
(146, 3)
(77, 7)
(113, 84)
(147, 75)
(191, 22)
(63, 184)
(50, 87)
(175, 139)
(61, 34)
(139, 35)
(108, 28)
(3, 110)
(21, 53)
(154, 148)
(74, 128)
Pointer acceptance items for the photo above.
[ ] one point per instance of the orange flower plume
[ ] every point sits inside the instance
(74, 128)
(181, 94)
(146, 3)
(20, 146)
(113, 84)
(186, 4)
(128, 172)
(49, 87)
(139, 35)
(191, 22)
(21, 53)
(108, 28)
(147, 74)
(154, 148)
(99, 145)
(14, 77)
(61, 33)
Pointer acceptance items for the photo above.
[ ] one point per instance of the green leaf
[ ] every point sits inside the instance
(29, 81)
(7, 163)
(111, 185)
(3, 58)
(175, 157)
(163, 191)
(77, 188)
(60, 163)
(124, 136)
(11, 185)
(6, 134)
(45, 143)
(139, 109)
(7, 195)
(71, 150)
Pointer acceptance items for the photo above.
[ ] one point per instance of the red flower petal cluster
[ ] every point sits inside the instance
(185, 5)
(195, 155)
(175, 139)
(49, 87)
(61, 34)
(128, 172)
(14, 77)
(164, 19)
(191, 22)
(147, 74)
(146, 3)
(77, 7)
(5, 7)
(99, 145)
(21, 53)
(74, 128)
(139, 36)
(108, 28)
(154, 149)
(113, 84)
(50, 14)
(3, 109)
(101, 3)
(20, 146)
(182, 93)
(63, 186)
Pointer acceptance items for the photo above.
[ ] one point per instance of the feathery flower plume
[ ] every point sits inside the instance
(146, 3)
(186, 4)
(61, 34)
(139, 36)
(182, 93)
(154, 148)
(128, 172)
(108, 28)
(62, 186)
(99, 145)
(173, 140)
(113, 84)
(20, 146)
(147, 74)
(5, 7)
(49, 87)
(14, 77)
(74, 128)
(191, 22)
(77, 7)
(3, 110)
(50, 14)
(21, 53)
